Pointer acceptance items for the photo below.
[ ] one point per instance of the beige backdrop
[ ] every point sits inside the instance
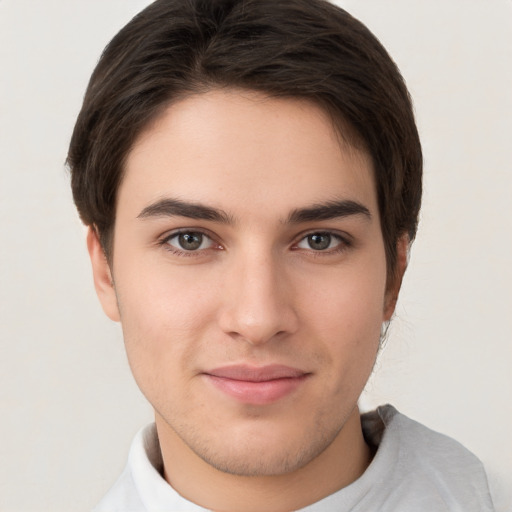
(68, 405)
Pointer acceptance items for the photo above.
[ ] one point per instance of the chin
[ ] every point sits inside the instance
(268, 452)
(259, 462)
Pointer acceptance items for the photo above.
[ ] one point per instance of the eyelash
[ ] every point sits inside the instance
(344, 243)
(164, 242)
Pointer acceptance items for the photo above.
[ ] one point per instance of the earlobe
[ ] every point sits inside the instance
(103, 282)
(402, 253)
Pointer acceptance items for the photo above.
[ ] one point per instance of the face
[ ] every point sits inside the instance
(249, 276)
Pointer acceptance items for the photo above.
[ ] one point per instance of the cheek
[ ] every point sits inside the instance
(164, 317)
(347, 315)
(349, 299)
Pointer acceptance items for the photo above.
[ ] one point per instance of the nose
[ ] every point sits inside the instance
(257, 303)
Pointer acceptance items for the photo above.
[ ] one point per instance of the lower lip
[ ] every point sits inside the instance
(257, 393)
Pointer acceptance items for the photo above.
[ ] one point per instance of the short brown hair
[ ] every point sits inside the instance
(307, 49)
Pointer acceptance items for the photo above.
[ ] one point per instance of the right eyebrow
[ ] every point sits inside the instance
(170, 207)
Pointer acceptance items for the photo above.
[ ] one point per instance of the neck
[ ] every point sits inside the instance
(344, 460)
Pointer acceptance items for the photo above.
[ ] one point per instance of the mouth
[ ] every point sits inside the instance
(257, 385)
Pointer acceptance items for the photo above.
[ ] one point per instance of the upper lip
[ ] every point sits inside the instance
(250, 373)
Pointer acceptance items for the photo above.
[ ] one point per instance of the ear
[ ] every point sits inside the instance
(103, 282)
(393, 287)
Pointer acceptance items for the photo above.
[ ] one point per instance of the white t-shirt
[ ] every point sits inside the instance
(414, 470)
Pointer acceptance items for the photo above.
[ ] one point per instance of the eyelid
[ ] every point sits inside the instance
(164, 241)
(343, 235)
(345, 241)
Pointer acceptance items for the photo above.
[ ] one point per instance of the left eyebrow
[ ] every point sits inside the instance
(327, 211)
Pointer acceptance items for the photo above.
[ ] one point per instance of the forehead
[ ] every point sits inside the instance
(223, 146)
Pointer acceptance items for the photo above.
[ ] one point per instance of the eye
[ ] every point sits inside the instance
(320, 241)
(189, 241)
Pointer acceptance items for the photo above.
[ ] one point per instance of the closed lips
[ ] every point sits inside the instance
(256, 374)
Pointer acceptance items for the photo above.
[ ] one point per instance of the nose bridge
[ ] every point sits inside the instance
(256, 298)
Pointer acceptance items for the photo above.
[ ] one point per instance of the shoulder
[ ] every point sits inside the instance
(122, 496)
(425, 447)
(126, 495)
(428, 465)
(141, 487)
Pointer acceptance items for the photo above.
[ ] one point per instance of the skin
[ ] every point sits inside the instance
(255, 292)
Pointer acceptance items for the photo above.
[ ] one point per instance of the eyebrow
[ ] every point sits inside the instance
(327, 211)
(170, 207)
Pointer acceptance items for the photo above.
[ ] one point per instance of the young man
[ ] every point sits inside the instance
(250, 172)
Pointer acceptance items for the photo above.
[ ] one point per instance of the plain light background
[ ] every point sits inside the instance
(68, 405)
